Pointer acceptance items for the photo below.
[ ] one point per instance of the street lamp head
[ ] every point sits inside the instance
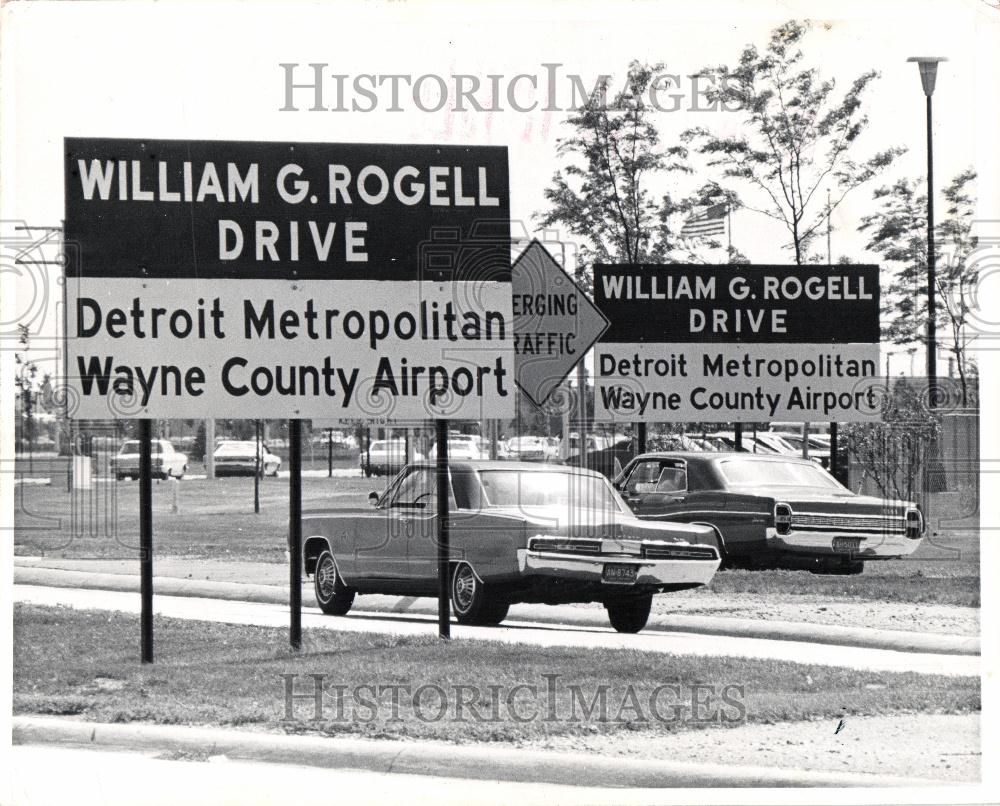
(928, 71)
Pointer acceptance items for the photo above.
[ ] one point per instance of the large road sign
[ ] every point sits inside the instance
(555, 323)
(738, 343)
(290, 280)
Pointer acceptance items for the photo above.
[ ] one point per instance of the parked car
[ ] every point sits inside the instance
(519, 532)
(239, 458)
(772, 511)
(462, 446)
(167, 462)
(528, 449)
(385, 457)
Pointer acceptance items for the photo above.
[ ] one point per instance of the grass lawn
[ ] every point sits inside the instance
(85, 663)
(215, 518)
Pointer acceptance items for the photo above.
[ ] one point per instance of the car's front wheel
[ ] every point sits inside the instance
(629, 615)
(470, 600)
(332, 595)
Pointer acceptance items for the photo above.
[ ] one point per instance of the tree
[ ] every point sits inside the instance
(893, 451)
(898, 232)
(796, 137)
(602, 195)
(24, 380)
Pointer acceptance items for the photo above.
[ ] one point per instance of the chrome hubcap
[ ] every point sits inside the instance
(465, 588)
(326, 577)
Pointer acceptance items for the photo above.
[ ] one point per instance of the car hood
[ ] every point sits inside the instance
(580, 522)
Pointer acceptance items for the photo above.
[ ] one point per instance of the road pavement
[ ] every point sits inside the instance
(516, 632)
(103, 778)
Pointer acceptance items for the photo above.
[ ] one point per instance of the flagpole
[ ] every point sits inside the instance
(729, 228)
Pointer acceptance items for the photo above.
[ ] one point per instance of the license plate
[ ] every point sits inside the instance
(620, 574)
(846, 543)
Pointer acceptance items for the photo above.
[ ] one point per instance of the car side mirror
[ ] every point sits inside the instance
(373, 499)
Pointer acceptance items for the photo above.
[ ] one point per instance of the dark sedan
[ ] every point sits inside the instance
(771, 511)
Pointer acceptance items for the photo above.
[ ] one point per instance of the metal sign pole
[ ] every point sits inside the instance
(295, 533)
(146, 538)
(444, 599)
(256, 468)
(329, 453)
(834, 467)
(640, 441)
(738, 435)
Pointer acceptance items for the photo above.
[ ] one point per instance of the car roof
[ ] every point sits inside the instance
(534, 467)
(710, 456)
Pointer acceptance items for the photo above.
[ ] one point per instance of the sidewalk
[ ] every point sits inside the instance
(482, 762)
(30, 572)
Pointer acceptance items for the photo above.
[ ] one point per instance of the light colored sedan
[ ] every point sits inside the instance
(238, 457)
(520, 532)
(167, 462)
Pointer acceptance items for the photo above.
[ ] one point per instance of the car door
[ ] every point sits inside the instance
(382, 550)
(422, 531)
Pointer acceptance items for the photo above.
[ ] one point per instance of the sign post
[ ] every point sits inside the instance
(256, 468)
(443, 537)
(295, 533)
(146, 538)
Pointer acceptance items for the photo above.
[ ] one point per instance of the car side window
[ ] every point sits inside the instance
(672, 478)
(643, 477)
(417, 490)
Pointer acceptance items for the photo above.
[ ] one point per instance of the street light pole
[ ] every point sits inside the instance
(928, 76)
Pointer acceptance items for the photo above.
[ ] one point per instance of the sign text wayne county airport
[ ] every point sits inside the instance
(738, 343)
(288, 280)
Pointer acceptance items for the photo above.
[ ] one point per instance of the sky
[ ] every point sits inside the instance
(212, 71)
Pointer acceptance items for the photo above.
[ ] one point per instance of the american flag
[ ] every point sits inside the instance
(709, 221)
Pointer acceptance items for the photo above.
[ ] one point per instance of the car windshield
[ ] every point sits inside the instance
(756, 472)
(512, 488)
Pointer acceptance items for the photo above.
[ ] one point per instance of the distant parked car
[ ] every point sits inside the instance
(772, 511)
(166, 462)
(528, 449)
(467, 447)
(239, 458)
(519, 532)
(385, 457)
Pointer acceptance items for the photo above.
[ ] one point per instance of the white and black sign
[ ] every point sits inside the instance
(738, 343)
(554, 323)
(356, 280)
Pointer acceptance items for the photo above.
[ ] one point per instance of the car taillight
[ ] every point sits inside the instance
(914, 523)
(782, 518)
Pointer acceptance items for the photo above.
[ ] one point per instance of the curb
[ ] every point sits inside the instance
(434, 759)
(865, 637)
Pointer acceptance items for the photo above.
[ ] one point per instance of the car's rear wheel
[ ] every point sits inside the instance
(332, 595)
(629, 615)
(470, 600)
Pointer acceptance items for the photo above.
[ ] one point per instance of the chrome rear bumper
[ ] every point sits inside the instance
(590, 568)
(872, 545)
